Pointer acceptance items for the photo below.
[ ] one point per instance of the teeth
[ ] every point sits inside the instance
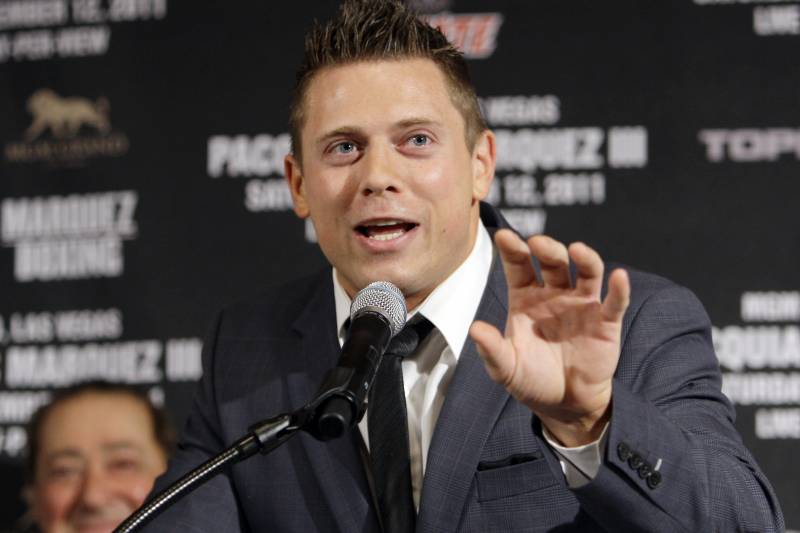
(387, 223)
(386, 236)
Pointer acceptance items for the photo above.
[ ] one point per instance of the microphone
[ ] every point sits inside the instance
(377, 314)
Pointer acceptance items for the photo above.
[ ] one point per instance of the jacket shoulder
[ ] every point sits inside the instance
(643, 284)
(273, 311)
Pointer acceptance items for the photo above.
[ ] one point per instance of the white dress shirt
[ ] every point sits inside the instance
(451, 308)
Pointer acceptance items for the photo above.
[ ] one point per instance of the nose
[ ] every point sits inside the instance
(378, 173)
(96, 490)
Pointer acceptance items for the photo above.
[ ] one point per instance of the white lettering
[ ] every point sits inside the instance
(521, 110)
(87, 11)
(574, 189)
(757, 347)
(267, 195)
(776, 20)
(17, 407)
(32, 45)
(627, 147)
(183, 359)
(66, 216)
(549, 149)
(56, 366)
(87, 324)
(31, 327)
(750, 145)
(520, 190)
(124, 224)
(31, 13)
(83, 41)
(778, 423)
(13, 440)
(241, 155)
(77, 325)
(770, 306)
(68, 259)
(762, 388)
(127, 10)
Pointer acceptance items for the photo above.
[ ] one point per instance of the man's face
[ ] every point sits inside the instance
(387, 177)
(96, 464)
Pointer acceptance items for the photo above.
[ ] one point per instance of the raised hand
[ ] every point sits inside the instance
(561, 344)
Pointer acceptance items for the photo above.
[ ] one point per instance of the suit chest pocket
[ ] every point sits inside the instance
(516, 475)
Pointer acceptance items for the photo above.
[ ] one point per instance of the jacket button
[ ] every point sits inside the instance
(654, 479)
(635, 461)
(623, 451)
(645, 470)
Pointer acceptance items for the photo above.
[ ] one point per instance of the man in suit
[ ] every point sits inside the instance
(93, 453)
(549, 399)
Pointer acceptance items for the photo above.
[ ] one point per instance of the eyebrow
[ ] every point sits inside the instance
(68, 453)
(74, 453)
(421, 121)
(120, 446)
(344, 131)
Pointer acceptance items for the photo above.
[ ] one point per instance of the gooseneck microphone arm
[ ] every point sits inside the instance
(263, 437)
(377, 314)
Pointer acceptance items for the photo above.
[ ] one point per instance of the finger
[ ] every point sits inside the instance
(589, 265)
(561, 305)
(618, 297)
(516, 258)
(495, 350)
(553, 259)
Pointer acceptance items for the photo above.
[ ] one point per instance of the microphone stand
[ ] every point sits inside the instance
(328, 416)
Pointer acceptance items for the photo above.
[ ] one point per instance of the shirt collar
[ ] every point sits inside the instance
(451, 307)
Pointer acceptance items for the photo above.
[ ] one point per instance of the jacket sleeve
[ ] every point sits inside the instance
(674, 461)
(213, 506)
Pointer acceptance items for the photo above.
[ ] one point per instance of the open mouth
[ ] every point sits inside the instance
(385, 230)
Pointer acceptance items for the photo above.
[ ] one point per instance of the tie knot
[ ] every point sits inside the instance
(413, 333)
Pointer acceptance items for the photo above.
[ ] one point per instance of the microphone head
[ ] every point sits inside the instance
(383, 298)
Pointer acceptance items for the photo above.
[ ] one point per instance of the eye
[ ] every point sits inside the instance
(345, 147)
(63, 472)
(420, 139)
(123, 465)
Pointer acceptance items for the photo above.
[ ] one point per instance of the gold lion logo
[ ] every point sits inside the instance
(64, 116)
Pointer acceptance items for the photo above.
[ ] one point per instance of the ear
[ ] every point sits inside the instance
(484, 157)
(294, 177)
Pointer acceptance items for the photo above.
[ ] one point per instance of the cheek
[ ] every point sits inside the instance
(134, 491)
(328, 190)
(54, 502)
(448, 182)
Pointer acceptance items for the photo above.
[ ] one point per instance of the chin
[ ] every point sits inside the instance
(400, 279)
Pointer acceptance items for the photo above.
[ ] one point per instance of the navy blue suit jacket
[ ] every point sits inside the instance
(489, 468)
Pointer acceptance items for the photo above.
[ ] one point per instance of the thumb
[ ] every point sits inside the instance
(495, 350)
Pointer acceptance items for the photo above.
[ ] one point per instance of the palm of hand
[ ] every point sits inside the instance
(564, 351)
(561, 345)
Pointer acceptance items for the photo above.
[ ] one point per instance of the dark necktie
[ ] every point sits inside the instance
(388, 432)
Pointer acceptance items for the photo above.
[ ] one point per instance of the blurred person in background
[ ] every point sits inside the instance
(93, 454)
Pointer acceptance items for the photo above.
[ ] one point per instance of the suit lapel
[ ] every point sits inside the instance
(471, 407)
(337, 464)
